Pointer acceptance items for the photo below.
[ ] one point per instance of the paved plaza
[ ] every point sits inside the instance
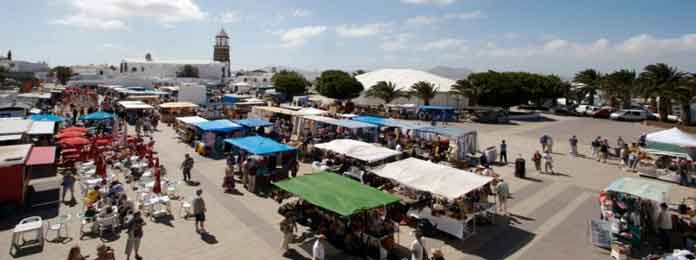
(549, 214)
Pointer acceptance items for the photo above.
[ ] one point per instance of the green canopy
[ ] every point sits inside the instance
(646, 189)
(336, 193)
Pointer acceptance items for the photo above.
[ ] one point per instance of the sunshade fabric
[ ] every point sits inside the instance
(47, 117)
(336, 193)
(342, 122)
(451, 132)
(178, 105)
(42, 128)
(385, 122)
(434, 178)
(358, 150)
(98, 116)
(642, 188)
(673, 142)
(259, 145)
(253, 122)
(191, 120)
(220, 126)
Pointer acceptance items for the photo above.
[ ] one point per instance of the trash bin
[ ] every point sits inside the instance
(519, 168)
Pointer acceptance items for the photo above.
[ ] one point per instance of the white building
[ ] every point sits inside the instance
(404, 79)
(207, 69)
(24, 66)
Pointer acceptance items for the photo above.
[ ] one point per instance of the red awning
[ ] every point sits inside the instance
(70, 135)
(42, 155)
(75, 141)
(74, 129)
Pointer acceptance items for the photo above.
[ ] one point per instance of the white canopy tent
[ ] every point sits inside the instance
(191, 120)
(42, 128)
(672, 142)
(358, 150)
(134, 105)
(438, 179)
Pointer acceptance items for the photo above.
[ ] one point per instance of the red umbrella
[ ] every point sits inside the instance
(157, 188)
(74, 129)
(75, 141)
(70, 134)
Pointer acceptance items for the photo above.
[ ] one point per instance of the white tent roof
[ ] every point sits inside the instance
(191, 120)
(310, 111)
(15, 126)
(404, 78)
(42, 128)
(434, 178)
(358, 150)
(134, 105)
(14, 154)
(673, 136)
(340, 122)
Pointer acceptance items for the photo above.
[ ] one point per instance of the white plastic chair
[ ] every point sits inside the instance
(185, 209)
(57, 225)
(108, 223)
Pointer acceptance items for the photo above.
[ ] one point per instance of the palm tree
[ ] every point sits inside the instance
(592, 80)
(386, 91)
(424, 91)
(467, 88)
(662, 81)
(620, 84)
(684, 93)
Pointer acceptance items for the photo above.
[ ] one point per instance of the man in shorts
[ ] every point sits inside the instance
(199, 210)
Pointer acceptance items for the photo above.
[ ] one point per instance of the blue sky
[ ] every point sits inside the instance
(547, 36)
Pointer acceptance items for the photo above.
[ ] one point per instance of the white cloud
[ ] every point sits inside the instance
(429, 2)
(231, 17)
(110, 14)
(441, 44)
(364, 30)
(301, 13)
(93, 23)
(428, 20)
(298, 36)
(396, 43)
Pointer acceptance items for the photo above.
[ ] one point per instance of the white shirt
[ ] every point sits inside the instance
(416, 250)
(547, 157)
(318, 251)
(398, 148)
(664, 220)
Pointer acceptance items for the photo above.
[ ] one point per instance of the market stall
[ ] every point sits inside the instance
(172, 110)
(13, 180)
(355, 217)
(436, 113)
(454, 199)
(47, 117)
(43, 180)
(213, 134)
(326, 128)
(272, 160)
(669, 148)
(462, 142)
(391, 131)
(359, 156)
(98, 120)
(253, 125)
(186, 127)
(628, 206)
(41, 132)
(133, 108)
(13, 131)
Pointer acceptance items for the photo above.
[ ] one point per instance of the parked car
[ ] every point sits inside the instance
(580, 109)
(589, 111)
(630, 115)
(603, 112)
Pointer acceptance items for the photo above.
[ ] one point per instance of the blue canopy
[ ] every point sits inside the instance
(436, 108)
(451, 132)
(97, 116)
(218, 126)
(253, 122)
(47, 117)
(385, 122)
(259, 145)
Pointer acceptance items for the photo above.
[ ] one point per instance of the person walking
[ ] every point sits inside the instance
(664, 226)
(503, 191)
(595, 148)
(186, 167)
(536, 158)
(503, 152)
(199, 209)
(683, 170)
(549, 144)
(573, 141)
(417, 248)
(619, 144)
(69, 184)
(604, 150)
(544, 141)
(318, 250)
(288, 227)
(135, 234)
(139, 125)
(548, 162)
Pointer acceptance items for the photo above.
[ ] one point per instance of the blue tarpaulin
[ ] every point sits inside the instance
(47, 117)
(385, 122)
(253, 122)
(259, 145)
(642, 188)
(97, 116)
(218, 126)
(438, 113)
(451, 132)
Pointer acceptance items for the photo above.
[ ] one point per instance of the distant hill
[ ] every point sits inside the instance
(450, 72)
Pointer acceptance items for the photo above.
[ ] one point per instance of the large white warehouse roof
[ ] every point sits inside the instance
(404, 78)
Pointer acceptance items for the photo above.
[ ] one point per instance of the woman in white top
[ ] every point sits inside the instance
(318, 249)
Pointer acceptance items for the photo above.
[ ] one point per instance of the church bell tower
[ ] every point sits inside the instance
(221, 51)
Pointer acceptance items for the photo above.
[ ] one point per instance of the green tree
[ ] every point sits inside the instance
(620, 85)
(684, 93)
(339, 85)
(62, 73)
(592, 80)
(290, 83)
(662, 81)
(187, 71)
(385, 91)
(469, 89)
(425, 91)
